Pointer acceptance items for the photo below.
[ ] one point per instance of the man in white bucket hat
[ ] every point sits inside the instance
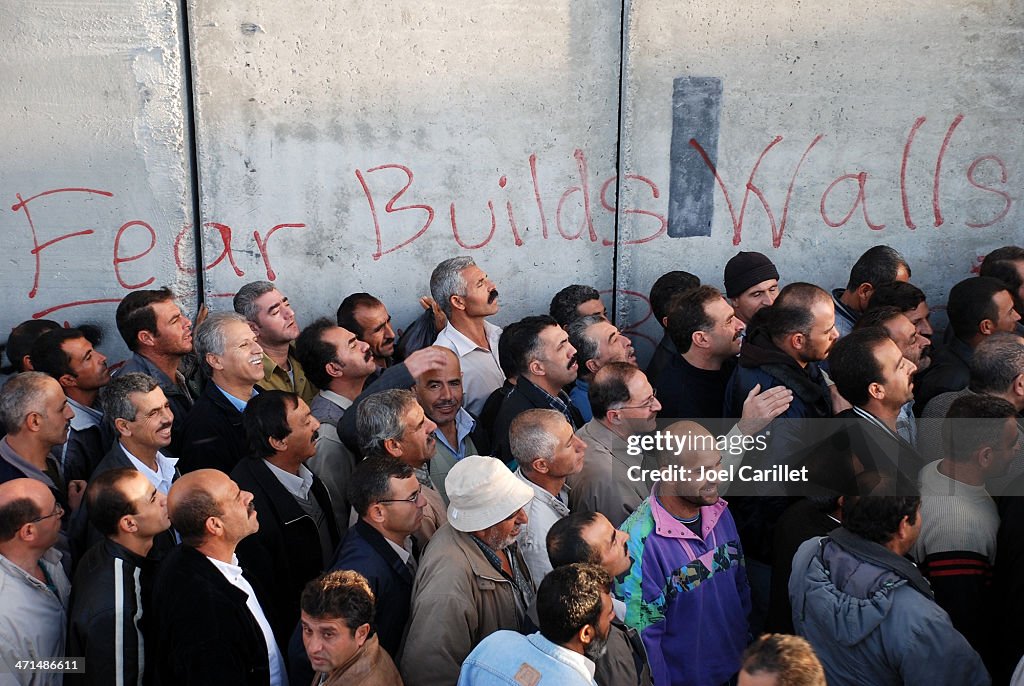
(472, 579)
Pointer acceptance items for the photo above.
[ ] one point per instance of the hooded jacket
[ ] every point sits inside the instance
(871, 618)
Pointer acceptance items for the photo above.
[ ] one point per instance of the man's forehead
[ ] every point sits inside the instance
(149, 400)
(376, 311)
(270, 299)
(235, 332)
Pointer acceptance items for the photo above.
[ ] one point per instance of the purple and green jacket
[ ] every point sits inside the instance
(687, 595)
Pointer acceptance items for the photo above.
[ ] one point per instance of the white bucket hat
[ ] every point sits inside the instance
(483, 492)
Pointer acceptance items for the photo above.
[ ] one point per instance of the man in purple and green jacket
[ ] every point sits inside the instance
(687, 591)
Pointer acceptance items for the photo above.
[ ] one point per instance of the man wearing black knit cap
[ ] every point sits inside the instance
(751, 282)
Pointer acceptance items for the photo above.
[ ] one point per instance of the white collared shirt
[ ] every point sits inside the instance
(543, 511)
(403, 552)
(233, 573)
(481, 373)
(299, 485)
(161, 479)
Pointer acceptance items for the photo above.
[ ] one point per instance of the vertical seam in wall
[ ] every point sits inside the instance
(193, 152)
(618, 159)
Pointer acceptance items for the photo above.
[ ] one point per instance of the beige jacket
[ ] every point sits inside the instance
(458, 600)
(603, 485)
(370, 666)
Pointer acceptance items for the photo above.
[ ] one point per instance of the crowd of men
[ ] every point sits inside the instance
(247, 501)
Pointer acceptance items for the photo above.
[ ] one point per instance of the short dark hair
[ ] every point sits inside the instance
(505, 355)
(988, 415)
(791, 312)
(878, 265)
(341, 594)
(790, 658)
(370, 481)
(135, 314)
(997, 361)
(689, 315)
(902, 294)
(570, 598)
(347, 312)
(565, 543)
(970, 303)
(666, 286)
(524, 341)
(876, 517)
(608, 387)
(190, 514)
(878, 316)
(19, 343)
(314, 354)
(16, 514)
(853, 366)
(266, 417)
(999, 264)
(49, 357)
(107, 503)
(564, 304)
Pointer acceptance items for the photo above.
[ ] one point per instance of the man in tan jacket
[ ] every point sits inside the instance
(337, 609)
(472, 580)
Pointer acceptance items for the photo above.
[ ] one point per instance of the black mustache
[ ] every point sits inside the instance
(492, 296)
(572, 362)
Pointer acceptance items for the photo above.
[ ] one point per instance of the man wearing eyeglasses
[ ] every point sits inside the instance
(34, 590)
(624, 405)
(390, 503)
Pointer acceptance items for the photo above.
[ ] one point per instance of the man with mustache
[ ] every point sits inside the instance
(160, 338)
(597, 342)
(69, 357)
(688, 569)
(467, 297)
(574, 609)
(472, 579)
(368, 318)
(391, 423)
(209, 620)
(458, 433)
(589, 537)
(140, 413)
(297, 534)
(546, 363)
(272, 319)
(212, 436)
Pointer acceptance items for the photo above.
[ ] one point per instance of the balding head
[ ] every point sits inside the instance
(29, 517)
(692, 448)
(439, 391)
(206, 504)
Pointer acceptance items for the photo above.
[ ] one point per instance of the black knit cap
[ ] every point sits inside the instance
(747, 269)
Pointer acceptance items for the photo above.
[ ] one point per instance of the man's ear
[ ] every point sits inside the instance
(362, 633)
(987, 327)
(458, 302)
(864, 293)
(121, 427)
(591, 366)
(393, 447)
(146, 338)
(254, 328)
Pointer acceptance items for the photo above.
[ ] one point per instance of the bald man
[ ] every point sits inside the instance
(210, 627)
(34, 590)
(688, 574)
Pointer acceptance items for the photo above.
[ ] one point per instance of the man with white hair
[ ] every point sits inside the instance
(547, 451)
(467, 296)
(472, 580)
(212, 436)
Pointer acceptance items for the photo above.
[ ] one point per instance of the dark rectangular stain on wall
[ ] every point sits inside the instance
(696, 114)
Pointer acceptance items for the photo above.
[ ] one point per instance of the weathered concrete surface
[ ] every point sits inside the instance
(864, 76)
(384, 137)
(93, 140)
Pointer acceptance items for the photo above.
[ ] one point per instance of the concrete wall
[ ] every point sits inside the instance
(352, 146)
(94, 175)
(917, 102)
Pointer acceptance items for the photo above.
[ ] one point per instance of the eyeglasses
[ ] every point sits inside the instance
(412, 499)
(58, 511)
(645, 405)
